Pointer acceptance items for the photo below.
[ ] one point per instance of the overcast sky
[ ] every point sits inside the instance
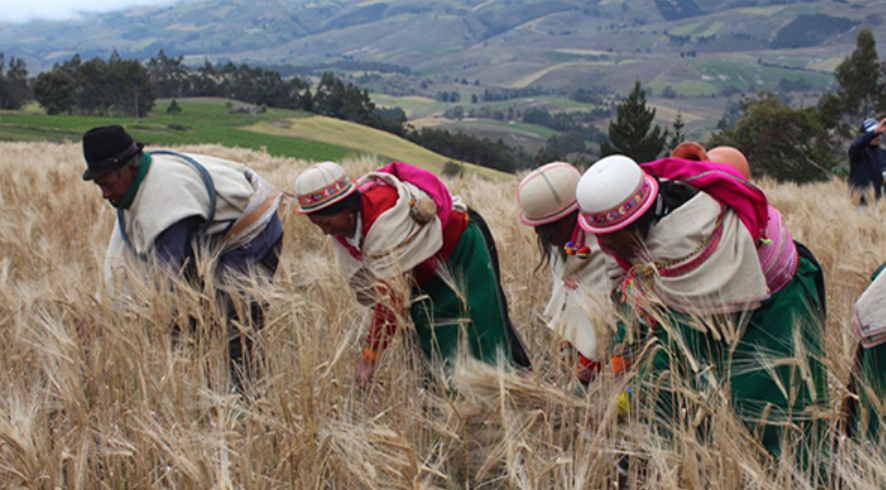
(27, 10)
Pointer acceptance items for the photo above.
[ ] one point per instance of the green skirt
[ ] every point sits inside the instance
(464, 307)
(766, 393)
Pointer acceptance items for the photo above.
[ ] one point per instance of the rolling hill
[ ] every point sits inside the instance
(500, 42)
(692, 55)
(277, 132)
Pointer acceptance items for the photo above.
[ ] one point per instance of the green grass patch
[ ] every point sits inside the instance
(711, 30)
(745, 75)
(697, 29)
(687, 30)
(414, 106)
(204, 122)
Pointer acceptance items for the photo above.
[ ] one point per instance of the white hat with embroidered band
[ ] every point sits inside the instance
(614, 193)
(322, 185)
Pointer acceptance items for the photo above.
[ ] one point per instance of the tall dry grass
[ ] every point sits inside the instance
(124, 406)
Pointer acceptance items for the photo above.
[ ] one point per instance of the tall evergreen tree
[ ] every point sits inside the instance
(168, 76)
(632, 133)
(677, 136)
(4, 87)
(858, 77)
(129, 83)
(15, 87)
(92, 82)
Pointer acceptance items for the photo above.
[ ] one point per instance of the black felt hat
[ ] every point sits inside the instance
(106, 148)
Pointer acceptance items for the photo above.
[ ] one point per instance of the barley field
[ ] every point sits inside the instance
(95, 394)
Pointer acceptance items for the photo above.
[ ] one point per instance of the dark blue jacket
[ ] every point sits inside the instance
(866, 164)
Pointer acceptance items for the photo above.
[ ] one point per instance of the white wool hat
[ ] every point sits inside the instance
(614, 193)
(548, 193)
(322, 185)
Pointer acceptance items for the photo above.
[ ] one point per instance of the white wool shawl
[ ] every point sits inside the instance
(729, 280)
(580, 292)
(870, 313)
(171, 191)
(396, 243)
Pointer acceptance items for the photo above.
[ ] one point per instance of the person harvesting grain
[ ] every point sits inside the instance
(173, 206)
(685, 235)
(402, 223)
(580, 285)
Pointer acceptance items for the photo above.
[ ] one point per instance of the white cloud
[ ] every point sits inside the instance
(18, 11)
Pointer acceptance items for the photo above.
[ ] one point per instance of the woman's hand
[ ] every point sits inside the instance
(363, 372)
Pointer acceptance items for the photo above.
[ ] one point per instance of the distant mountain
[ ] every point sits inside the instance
(679, 48)
(431, 35)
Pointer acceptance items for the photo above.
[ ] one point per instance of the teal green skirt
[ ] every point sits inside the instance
(767, 393)
(463, 309)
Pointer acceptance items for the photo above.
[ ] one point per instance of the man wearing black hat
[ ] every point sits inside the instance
(170, 206)
(867, 161)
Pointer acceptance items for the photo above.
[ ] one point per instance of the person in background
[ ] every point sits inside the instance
(401, 222)
(173, 206)
(867, 162)
(580, 285)
(685, 235)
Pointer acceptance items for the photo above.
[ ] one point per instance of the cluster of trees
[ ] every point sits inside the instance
(799, 144)
(808, 143)
(96, 87)
(588, 96)
(171, 78)
(15, 88)
(461, 146)
(794, 85)
(576, 121)
(780, 141)
(500, 94)
(632, 133)
(446, 96)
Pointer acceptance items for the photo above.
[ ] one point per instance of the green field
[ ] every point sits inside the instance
(280, 132)
(204, 120)
(740, 74)
(414, 106)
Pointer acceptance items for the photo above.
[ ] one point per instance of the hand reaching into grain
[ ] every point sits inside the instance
(363, 372)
